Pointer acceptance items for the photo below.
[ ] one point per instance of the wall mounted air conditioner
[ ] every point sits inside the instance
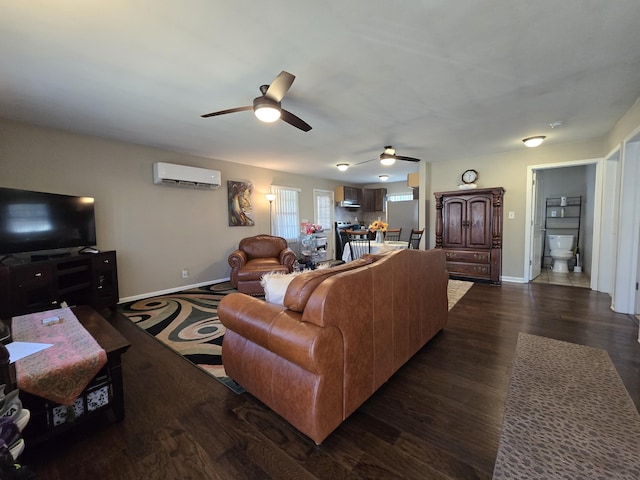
(184, 176)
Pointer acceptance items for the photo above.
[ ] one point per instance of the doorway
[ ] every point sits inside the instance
(547, 184)
(323, 202)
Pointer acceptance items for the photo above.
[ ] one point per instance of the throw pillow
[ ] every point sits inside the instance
(275, 285)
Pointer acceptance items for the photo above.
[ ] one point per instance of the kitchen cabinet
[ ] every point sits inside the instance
(373, 199)
(413, 180)
(469, 230)
(348, 195)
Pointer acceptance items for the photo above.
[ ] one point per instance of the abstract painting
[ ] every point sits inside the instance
(240, 208)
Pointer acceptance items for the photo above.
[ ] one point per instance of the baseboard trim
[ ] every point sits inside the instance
(170, 290)
(513, 279)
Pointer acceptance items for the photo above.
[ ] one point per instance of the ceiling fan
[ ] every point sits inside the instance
(389, 157)
(267, 106)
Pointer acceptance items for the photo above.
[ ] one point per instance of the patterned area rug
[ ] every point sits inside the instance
(456, 290)
(188, 323)
(567, 415)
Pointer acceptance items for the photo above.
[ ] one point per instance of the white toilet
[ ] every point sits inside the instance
(561, 250)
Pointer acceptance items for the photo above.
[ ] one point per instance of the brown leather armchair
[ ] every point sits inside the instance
(256, 256)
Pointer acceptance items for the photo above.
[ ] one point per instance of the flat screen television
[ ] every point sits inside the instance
(38, 221)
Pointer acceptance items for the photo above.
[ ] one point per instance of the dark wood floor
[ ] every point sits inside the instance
(439, 417)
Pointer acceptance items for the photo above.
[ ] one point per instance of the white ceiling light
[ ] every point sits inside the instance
(388, 157)
(342, 166)
(534, 141)
(383, 178)
(266, 109)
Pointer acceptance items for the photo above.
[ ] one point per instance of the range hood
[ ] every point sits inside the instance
(348, 204)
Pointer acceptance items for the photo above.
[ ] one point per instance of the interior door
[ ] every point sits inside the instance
(323, 215)
(638, 290)
(537, 230)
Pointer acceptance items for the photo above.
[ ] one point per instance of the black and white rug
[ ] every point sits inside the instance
(188, 323)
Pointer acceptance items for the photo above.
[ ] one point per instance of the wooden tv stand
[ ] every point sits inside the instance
(77, 279)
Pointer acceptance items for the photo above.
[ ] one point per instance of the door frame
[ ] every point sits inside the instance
(625, 294)
(538, 231)
(330, 229)
(597, 217)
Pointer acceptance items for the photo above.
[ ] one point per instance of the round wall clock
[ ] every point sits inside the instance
(469, 176)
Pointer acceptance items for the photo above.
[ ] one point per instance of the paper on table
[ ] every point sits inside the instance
(18, 350)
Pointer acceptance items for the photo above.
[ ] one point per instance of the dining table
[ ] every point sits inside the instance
(377, 247)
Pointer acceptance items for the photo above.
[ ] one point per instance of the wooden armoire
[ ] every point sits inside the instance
(469, 230)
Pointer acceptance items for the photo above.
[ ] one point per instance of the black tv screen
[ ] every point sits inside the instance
(36, 221)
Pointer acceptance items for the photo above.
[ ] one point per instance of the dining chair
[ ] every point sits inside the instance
(357, 234)
(359, 243)
(392, 234)
(414, 238)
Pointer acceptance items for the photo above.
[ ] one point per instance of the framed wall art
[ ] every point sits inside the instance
(239, 196)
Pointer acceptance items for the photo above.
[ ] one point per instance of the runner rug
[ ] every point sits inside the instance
(188, 323)
(567, 415)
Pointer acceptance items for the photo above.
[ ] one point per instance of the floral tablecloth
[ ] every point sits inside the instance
(59, 373)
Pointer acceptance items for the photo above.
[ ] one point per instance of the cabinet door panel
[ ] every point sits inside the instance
(479, 223)
(32, 289)
(453, 229)
(105, 290)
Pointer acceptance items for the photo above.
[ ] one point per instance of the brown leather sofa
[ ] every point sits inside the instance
(256, 256)
(341, 333)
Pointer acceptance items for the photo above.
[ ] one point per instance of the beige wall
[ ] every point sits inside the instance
(160, 230)
(507, 170)
(627, 125)
(157, 230)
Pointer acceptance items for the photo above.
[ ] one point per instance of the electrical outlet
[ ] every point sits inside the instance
(185, 273)
(512, 215)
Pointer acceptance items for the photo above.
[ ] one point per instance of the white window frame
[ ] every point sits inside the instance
(285, 221)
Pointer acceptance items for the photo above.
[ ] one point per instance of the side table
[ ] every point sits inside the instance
(105, 393)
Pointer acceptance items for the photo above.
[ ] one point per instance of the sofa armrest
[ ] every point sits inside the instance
(280, 331)
(288, 258)
(236, 260)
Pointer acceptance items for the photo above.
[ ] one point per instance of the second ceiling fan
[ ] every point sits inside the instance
(389, 157)
(267, 107)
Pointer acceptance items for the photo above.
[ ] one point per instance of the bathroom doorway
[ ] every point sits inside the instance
(553, 184)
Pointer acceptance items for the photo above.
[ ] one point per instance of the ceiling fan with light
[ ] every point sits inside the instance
(389, 157)
(267, 106)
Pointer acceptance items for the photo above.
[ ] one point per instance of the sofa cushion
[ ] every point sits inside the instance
(302, 286)
(263, 246)
(256, 268)
(275, 286)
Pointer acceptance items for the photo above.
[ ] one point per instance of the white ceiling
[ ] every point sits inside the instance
(437, 79)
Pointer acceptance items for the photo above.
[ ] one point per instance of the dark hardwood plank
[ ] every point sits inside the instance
(438, 417)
